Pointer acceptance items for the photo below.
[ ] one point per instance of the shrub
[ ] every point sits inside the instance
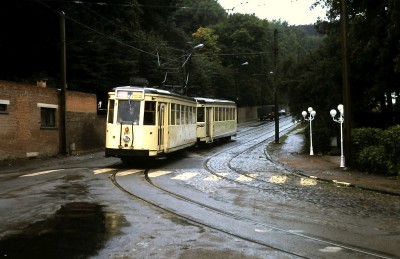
(372, 158)
(377, 150)
(391, 142)
(366, 137)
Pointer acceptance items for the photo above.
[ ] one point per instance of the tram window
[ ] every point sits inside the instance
(185, 115)
(200, 114)
(173, 112)
(178, 114)
(192, 115)
(149, 113)
(172, 116)
(111, 111)
(128, 112)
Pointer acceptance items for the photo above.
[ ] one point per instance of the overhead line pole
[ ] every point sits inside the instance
(276, 87)
(346, 87)
(63, 96)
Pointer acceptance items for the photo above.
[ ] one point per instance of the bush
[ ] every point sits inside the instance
(366, 137)
(372, 158)
(377, 150)
(391, 142)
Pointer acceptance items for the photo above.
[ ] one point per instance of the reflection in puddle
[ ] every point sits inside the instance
(77, 230)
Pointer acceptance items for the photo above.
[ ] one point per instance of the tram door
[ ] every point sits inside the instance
(161, 125)
(209, 120)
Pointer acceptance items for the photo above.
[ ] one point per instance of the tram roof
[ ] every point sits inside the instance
(211, 100)
(150, 90)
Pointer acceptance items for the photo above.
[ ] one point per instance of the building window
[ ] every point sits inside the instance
(48, 117)
(3, 106)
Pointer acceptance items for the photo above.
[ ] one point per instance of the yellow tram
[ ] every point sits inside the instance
(216, 119)
(147, 122)
(151, 122)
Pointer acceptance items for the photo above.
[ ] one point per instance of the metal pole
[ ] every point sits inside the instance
(276, 87)
(63, 96)
(341, 144)
(311, 146)
(345, 80)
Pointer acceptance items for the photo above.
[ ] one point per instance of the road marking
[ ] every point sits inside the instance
(184, 176)
(263, 230)
(341, 183)
(308, 181)
(103, 170)
(42, 172)
(214, 178)
(278, 179)
(246, 178)
(128, 172)
(331, 249)
(158, 173)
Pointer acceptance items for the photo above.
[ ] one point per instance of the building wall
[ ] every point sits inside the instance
(246, 114)
(21, 134)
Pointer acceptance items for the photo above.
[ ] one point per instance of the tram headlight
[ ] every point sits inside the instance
(126, 139)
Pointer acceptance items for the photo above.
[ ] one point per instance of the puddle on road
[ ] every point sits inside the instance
(76, 230)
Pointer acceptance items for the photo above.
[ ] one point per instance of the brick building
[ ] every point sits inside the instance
(30, 121)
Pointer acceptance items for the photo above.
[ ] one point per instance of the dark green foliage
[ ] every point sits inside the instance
(391, 141)
(372, 159)
(366, 137)
(377, 150)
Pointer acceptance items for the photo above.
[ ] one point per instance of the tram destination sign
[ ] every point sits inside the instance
(129, 94)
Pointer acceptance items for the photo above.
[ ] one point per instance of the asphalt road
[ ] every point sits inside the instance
(220, 201)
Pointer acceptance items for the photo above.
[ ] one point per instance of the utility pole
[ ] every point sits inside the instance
(276, 87)
(63, 96)
(346, 87)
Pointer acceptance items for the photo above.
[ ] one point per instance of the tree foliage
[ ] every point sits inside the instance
(110, 42)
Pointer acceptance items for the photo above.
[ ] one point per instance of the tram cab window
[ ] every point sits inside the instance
(200, 114)
(149, 113)
(111, 111)
(128, 112)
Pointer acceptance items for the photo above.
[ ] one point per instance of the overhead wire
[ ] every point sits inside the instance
(102, 34)
(156, 55)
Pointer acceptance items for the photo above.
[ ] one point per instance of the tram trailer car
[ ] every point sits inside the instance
(150, 122)
(216, 119)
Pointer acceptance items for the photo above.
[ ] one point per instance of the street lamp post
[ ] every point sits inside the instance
(236, 71)
(310, 118)
(339, 120)
(186, 75)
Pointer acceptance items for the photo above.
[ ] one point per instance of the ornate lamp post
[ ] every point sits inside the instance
(310, 118)
(340, 120)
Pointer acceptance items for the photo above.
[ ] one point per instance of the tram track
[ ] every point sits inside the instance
(247, 222)
(249, 145)
(165, 200)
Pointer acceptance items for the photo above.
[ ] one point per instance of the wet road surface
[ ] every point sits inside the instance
(75, 211)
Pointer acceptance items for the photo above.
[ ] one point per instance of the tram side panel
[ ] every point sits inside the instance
(181, 125)
(225, 124)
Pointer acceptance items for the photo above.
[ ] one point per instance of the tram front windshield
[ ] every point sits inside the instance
(128, 112)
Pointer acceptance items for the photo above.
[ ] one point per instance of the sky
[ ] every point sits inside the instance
(295, 12)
